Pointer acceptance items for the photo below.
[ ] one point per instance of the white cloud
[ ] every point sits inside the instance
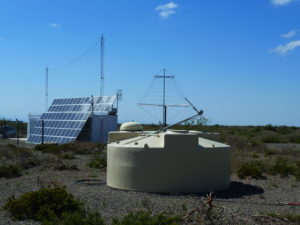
(167, 10)
(55, 25)
(281, 2)
(284, 49)
(289, 34)
(167, 13)
(168, 6)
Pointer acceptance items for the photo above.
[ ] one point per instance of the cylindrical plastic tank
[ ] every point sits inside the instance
(168, 162)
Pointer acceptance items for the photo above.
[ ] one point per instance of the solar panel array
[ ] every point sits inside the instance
(66, 118)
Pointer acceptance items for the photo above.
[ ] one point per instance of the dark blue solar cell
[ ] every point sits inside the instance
(66, 118)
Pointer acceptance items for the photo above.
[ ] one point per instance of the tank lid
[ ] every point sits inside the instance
(170, 131)
(131, 126)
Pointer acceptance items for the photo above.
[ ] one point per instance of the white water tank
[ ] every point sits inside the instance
(172, 161)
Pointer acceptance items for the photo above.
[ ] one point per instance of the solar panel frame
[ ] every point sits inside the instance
(66, 118)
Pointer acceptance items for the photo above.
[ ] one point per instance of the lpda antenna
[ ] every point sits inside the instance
(164, 105)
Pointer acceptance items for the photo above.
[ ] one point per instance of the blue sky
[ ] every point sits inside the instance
(237, 60)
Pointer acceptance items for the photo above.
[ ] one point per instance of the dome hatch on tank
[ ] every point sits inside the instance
(131, 126)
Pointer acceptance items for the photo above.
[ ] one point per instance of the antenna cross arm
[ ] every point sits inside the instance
(171, 105)
(163, 76)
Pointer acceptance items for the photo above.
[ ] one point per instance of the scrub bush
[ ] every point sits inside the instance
(291, 217)
(270, 127)
(297, 171)
(274, 139)
(268, 152)
(66, 166)
(76, 148)
(67, 156)
(44, 204)
(76, 219)
(10, 171)
(146, 218)
(82, 147)
(98, 162)
(48, 148)
(283, 167)
(253, 169)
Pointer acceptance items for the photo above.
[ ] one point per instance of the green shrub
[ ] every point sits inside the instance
(98, 162)
(68, 146)
(282, 166)
(270, 127)
(253, 169)
(10, 171)
(67, 156)
(76, 148)
(29, 163)
(294, 139)
(257, 129)
(283, 130)
(297, 171)
(294, 218)
(254, 143)
(48, 148)
(268, 152)
(76, 219)
(11, 151)
(43, 204)
(82, 147)
(255, 155)
(18, 158)
(11, 146)
(274, 139)
(146, 218)
(66, 166)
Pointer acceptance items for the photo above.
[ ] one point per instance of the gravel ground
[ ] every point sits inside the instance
(245, 198)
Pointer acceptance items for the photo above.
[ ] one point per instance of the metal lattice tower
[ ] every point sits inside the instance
(102, 67)
(46, 87)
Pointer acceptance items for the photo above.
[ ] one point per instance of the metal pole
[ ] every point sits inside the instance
(22, 128)
(17, 132)
(43, 131)
(4, 124)
(102, 66)
(91, 119)
(164, 101)
(117, 102)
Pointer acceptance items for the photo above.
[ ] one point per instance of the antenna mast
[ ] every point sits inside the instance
(102, 66)
(46, 94)
(164, 96)
(164, 105)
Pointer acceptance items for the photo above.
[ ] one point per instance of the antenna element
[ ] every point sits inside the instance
(102, 67)
(163, 105)
(164, 96)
